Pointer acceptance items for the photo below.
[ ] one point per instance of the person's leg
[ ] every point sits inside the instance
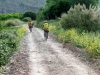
(30, 28)
(47, 33)
(44, 33)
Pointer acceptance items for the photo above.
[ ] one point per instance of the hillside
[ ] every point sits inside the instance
(9, 6)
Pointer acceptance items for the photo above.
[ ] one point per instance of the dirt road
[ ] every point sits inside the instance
(39, 57)
(50, 58)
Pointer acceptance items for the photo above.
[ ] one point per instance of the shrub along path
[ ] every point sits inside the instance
(39, 57)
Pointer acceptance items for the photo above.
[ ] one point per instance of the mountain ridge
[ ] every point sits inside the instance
(10, 6)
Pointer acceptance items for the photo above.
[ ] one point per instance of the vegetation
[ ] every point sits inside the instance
(12, 22)
(86, 2)
(12, 15)
(81, 29)
(27, 16)
(9, 41)
(54, 8)
(82, 18)
(26, 19)
(30, 14)
(74, 2)
(89, 41)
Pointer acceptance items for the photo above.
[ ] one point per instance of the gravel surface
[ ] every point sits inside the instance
(39, 57)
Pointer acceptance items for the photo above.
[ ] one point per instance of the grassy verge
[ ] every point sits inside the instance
(9, 40)
(85, 40)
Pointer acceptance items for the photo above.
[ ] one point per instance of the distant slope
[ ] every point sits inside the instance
(9, 6)
(99, 4)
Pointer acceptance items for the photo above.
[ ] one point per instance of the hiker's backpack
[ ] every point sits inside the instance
(46, 26)
(30, 23)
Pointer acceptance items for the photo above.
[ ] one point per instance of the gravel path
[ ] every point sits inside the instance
(40, 57)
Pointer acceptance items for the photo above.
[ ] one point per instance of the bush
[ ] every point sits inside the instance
(30, 14)
(7, 45)
(10, 23)
(80, 17)
(9, 42)
(13, 22)
(9, 16)
(26, 19)
(21, 32)
(88, 41)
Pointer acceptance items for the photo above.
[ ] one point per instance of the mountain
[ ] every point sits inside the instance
(9, 6)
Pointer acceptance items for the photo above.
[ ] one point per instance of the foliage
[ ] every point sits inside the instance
(30, 14)
(21, 32)
(9, 16)
(53, 9)
(0, 25)
(88, 41)
(9, 42)
(13, 22)
(51, 2)
(56, 10)
(55, 27)
(26, 19)
(80, 17)
(86, 2)
(9, 39)
(1, 69)
(10, 23)
(74, 2)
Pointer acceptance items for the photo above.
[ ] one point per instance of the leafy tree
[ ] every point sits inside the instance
(86, 2)
(74, 2)
(55, 10)
(51, 2)
(30, 14)
(39, 15)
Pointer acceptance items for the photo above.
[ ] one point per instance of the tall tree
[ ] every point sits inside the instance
(55, 10)
(74, 2)
(51, 2)
(86, 2)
